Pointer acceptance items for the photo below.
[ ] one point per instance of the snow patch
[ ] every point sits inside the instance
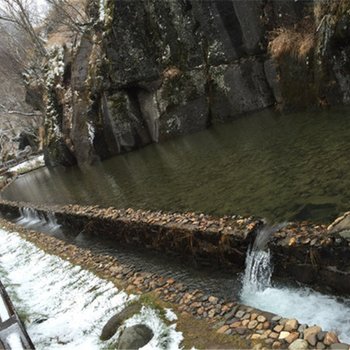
(170, 315)
(14, 341)
(4, 314)
(102, 13)
(29, 164)
(91, 132)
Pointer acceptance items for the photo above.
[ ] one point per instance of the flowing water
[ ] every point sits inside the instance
(64, 306)
(255, 288)
(208, 280)
(304, 304)
(281, 167)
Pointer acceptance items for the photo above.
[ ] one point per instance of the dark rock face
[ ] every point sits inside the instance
(79, 132)
(59, 154)
(157, 69)
(135, 337)
(160, 69)
(239, 88)
(26, 139)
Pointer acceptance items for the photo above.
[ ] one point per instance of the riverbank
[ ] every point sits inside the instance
(303, 251)
(228, 323)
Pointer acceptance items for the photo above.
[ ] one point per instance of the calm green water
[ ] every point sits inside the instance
(280, 167)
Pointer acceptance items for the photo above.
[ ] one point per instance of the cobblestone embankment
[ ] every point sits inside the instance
(302, 251)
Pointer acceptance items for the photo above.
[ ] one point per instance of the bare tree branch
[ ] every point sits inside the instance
(32, 114)
(15, 11)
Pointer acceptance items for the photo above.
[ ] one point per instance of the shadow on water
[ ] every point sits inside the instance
(281, 167)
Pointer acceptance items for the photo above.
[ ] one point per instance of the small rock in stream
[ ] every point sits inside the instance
(134, 337)
(111, 327)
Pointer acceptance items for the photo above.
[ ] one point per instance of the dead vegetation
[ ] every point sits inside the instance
(299, 41)
(291, 42)
(171, 72)
(296, 41)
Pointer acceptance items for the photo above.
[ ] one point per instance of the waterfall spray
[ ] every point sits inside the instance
(259, 292)
(30, 217)
(258, 267)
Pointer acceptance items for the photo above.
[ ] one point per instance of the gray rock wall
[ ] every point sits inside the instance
(156, 69)
(174, 67)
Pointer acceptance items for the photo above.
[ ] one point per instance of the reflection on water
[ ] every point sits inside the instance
(280, 167)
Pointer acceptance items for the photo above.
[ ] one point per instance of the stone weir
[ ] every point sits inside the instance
(302, 251)
(215, 322)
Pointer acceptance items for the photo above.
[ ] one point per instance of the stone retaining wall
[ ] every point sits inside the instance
(302, 251)
(260, 329)
(203, 239)
(313, 254)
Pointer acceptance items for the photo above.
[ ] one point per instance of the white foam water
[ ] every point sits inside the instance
(15, 341)
(304, 304)
(66, 307)
(258, 271)
(31, 218)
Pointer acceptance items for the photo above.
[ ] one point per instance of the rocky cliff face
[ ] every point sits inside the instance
(148, 70)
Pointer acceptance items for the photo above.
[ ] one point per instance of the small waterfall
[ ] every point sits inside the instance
(28, 216)
(258, 267)
(258, 291)
(31, 217)
(52, 221)
(258, 271)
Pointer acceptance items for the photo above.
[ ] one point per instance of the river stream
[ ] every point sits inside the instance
(281, 167)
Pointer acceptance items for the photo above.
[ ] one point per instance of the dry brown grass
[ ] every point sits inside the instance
(291, 42)
(171, 72)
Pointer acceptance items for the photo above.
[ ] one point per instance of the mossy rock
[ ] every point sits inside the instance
(111, 327)
(135, 337)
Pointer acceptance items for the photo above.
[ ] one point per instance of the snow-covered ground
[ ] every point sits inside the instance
(28, 165)
(66, 306)
(4, 314)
